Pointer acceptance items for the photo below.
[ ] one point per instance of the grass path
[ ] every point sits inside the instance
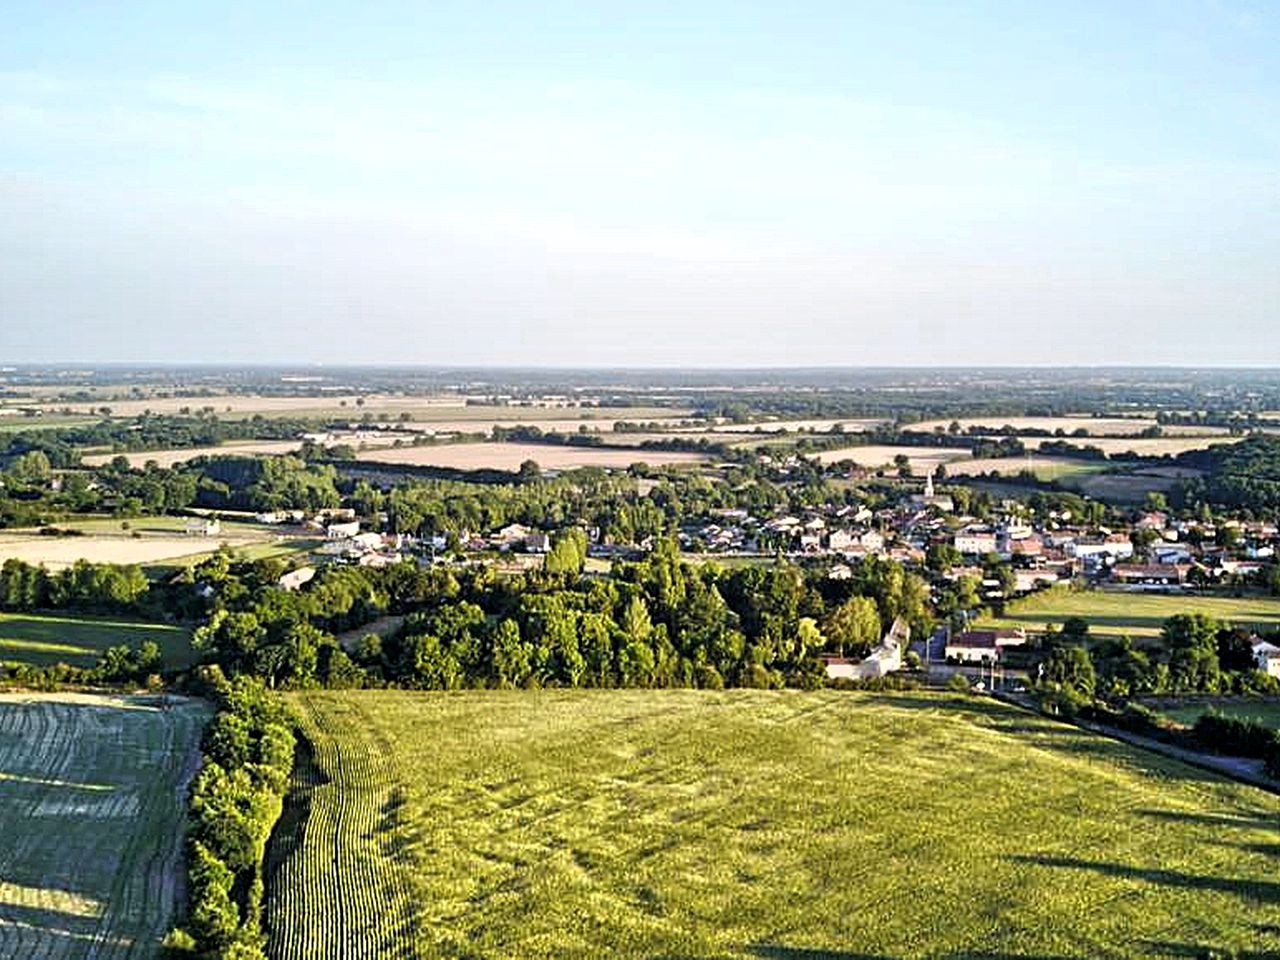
(763, 824)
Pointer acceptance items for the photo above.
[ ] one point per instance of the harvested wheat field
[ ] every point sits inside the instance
(56, 552)
(509, 456)
(923, 459)
(1097, 426)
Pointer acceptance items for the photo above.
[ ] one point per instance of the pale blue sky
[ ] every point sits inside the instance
(648, 183)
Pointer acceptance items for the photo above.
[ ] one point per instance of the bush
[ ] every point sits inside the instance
(959, 683)
(1232, 735)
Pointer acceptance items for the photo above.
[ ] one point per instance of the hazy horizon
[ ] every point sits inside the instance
(711, 186)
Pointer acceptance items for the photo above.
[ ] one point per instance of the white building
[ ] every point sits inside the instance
(342, 531)
(1267, 657)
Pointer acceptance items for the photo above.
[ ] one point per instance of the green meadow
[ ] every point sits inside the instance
(777, 824)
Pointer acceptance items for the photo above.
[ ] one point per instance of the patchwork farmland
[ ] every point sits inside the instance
(754, 824)
(92, 806)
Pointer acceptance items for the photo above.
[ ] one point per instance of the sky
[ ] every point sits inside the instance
(641, 184)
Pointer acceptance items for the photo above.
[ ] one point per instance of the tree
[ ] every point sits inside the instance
(568, 554)
(854, 625)
(529, 472)
(1070, 667)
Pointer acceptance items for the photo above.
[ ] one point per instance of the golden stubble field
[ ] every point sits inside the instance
(509, 456)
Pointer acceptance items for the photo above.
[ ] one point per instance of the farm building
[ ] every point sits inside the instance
(979, 646)
(203, 527)
(1151, 575)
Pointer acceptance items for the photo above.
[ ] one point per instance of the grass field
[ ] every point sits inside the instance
(1263, 711)
(78, 640)
(92, 807)
(755, 824)
(1135, 614)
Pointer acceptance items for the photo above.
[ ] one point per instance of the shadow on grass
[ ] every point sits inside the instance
(1262, 891)
(1251, 821)
(773, 951)
(397, 841)
(1164, 948)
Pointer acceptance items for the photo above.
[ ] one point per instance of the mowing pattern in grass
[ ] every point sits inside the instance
(748, 823)
(79, 640)
(336, 862)
(1136, 614)
(92, 793)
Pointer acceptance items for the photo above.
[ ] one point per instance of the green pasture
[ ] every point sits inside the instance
(1266, 712)
(79, 640)
(775, 824)
(1135, 614)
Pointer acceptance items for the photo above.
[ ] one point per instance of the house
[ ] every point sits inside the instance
(538, 542)
(343, 530)
(975, 541)
(1113, 546)
(294, 579)
(1267, 656)
(840, 541)
(203, 527)
(367, 541)
(511, 535)
(982, 646)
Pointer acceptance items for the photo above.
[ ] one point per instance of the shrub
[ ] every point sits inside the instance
(1232, 735)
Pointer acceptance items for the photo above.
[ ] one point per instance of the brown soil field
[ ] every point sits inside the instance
(509, 456)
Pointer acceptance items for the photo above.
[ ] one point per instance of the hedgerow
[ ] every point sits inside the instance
(235, 802)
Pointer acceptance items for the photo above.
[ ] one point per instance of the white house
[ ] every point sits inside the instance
(1267, 656)
(975, 541)
(203, 527)
(342, 531)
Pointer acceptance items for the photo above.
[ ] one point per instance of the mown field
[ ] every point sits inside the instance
(92, 806)
(754, 824)
(79, 640)
(1263, 711)
(1136, 614)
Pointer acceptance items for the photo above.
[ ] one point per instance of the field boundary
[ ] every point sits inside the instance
(1239, 769)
